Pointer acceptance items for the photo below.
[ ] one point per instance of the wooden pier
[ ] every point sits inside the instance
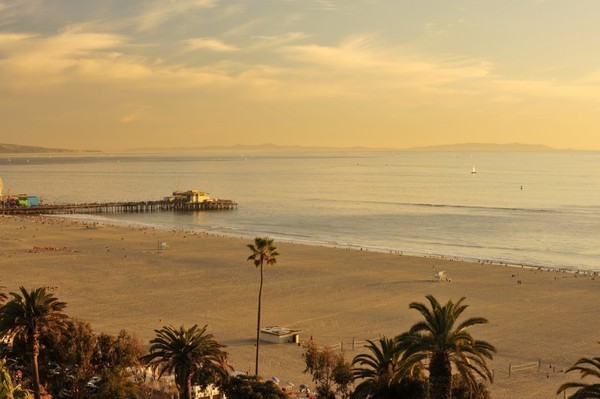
(120, 207)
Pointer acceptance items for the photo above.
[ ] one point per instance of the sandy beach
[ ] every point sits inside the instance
(116, 277)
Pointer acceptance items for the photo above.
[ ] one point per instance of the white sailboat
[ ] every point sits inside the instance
(473, 171)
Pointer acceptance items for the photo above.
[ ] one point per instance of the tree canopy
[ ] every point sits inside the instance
(185, 353)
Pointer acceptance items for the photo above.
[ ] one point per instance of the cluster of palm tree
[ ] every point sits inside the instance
(436, 358)
(434, 346)
(191, 355)
(27, 316)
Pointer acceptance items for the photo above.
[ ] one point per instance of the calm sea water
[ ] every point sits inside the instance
(539, 209)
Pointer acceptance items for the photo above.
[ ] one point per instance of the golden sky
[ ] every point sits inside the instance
(399, 73)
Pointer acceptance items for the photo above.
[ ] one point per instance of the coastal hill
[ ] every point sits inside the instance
(249, 148)
(26, 149)
(465, 147)
(486, 147)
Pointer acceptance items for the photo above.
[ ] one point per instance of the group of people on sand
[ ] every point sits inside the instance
(304, 392)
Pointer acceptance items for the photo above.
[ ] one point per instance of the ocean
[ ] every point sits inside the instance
(534, 208)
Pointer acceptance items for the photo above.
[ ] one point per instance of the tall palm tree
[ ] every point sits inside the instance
(186, 354)
(386, 372)
(447, 342)
(586, 367)
(263, 252)
(29, 314)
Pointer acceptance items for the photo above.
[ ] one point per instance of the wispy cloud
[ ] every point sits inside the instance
(245, 28)
(276, 42)
(8, 40)
(290, 68)
(32, 62)
(158, 12)
(326, 5)
(389, 67)
(129, 118)
(10, 11)
(210, 44)
(434, 28)
(49, 57)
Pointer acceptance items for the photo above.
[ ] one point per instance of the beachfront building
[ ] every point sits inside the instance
(189, 197)
(280, 335)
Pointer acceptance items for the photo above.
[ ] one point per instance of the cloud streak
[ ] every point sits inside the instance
(358, 68)
(157, 13)
(211, 44)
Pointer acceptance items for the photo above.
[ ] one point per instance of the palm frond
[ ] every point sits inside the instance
(442, 337)
(184, 352)
(587, 367)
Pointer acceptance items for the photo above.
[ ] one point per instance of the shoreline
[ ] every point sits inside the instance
(355, 247)
(117, 277)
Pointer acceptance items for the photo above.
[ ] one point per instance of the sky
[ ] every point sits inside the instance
(114, 74)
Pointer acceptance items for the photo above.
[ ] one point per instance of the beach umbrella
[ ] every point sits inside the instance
(275, 380)
(303, 386)
(290, 383)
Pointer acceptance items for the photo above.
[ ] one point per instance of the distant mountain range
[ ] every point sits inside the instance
(27, 149)
(465, 147)
(250, 148)
(486, 147)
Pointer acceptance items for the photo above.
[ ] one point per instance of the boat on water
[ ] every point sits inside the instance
(473, 171)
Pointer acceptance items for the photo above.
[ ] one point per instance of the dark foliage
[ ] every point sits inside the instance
(251, 387)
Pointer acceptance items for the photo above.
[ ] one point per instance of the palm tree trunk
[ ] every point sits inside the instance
(440, 377)
(258, 319)
(186, 387)
(35, 351)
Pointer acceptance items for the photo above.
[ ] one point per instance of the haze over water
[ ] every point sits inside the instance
(538, 209)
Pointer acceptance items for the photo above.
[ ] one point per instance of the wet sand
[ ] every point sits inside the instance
(117, 278)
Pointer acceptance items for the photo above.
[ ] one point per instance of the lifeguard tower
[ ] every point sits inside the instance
(439, 275)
